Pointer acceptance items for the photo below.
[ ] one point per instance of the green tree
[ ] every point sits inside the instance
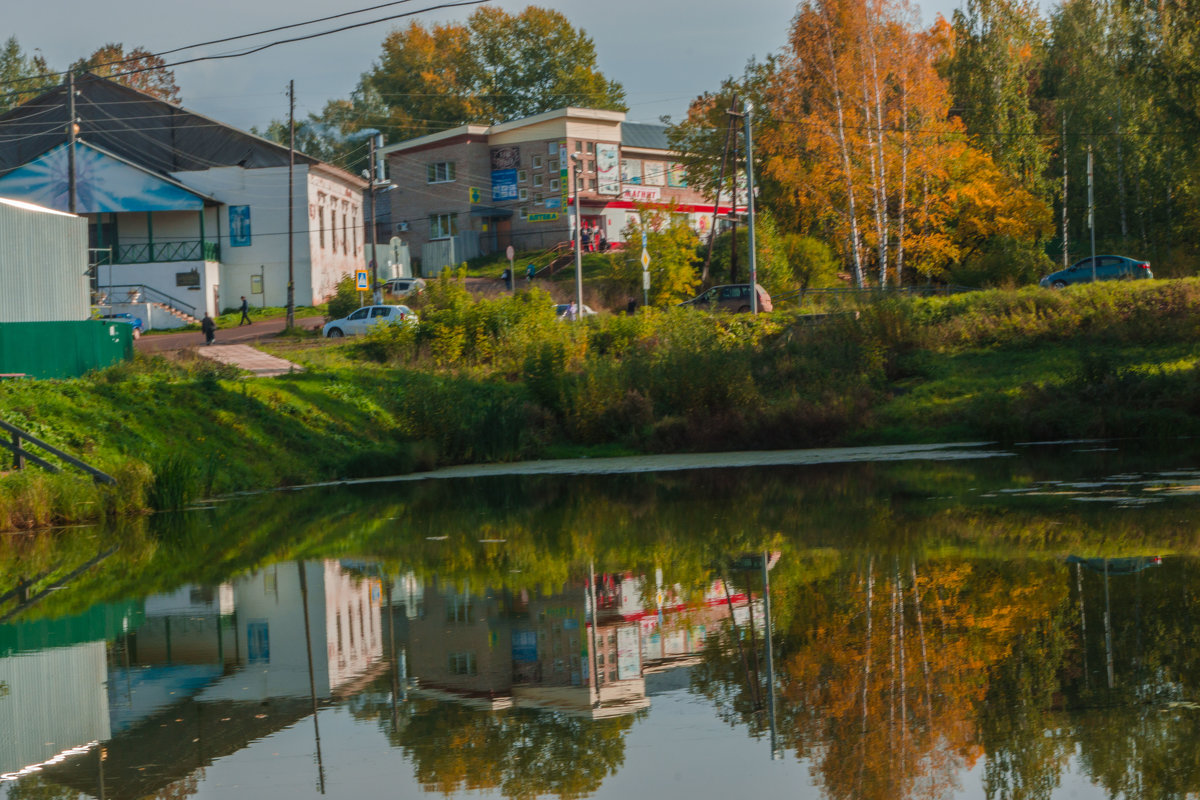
(812, 262)
(998, 50)
(496, 66)
(772, 264)
(671, 244)
(21, 76)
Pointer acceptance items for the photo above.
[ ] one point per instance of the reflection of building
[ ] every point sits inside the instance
(502, 648)
(234, 655)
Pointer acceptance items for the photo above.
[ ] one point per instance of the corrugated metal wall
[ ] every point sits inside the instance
(43, 266)
(63, 349)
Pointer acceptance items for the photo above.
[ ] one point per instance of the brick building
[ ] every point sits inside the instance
(477, 189)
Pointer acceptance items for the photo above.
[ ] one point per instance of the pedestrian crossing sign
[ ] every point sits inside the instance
(360, 280)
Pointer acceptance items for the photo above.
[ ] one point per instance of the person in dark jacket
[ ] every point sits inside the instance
(245, 320)
(209, 327)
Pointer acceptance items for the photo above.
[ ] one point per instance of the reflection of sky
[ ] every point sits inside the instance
(681, 750)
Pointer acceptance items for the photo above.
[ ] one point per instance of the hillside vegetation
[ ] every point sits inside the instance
(502, 379)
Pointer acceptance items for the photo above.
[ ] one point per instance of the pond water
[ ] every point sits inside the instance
(973, 622)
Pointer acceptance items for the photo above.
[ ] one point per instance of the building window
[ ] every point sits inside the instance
(522, 175)
(462, 664)
(553, 165)
(345, 232)
(459, 609)
(321, 224)
(537, 164)
(443, 226)
(439, 172)
(537, 180)
(522, 194)
(591, 184)
(591, 148)
(522, 212)
(554, 184)
(578, 146)
(537, 198)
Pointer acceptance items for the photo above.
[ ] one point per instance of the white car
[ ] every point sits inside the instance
(402, 287)
(362, 319)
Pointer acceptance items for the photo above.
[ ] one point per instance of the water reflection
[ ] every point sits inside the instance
(521, 640)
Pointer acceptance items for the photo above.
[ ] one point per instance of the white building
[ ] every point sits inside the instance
(183, 210)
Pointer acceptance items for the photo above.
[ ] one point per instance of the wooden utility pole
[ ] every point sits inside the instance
(733, 265)
(72, 130)
(291, 284)
(1064, 191)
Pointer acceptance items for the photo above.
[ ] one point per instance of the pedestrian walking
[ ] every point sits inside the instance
(530, 271)
(601, 242)
(585, 240)
(245, 320)
(209, 327)
(507, 277)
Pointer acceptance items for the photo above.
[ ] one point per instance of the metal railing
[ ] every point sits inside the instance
(140, 293)
(156, 252)
(20, 454)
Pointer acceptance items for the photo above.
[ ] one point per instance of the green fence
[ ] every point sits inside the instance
(62, 349)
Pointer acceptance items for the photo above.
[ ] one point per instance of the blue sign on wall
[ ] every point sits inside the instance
(524, 646)
(504, 184)
(239, 226)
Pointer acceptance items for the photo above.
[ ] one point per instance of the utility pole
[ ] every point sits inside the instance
(578, 238)
(750, 207)
(371, 211)
(291, 285)
(712, 232)
(72, 130)
(733, 265)
(1092, 213)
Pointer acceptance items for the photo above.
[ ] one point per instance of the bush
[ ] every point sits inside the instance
(346, 299)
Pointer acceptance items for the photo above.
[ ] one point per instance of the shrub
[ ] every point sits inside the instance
(345, 300)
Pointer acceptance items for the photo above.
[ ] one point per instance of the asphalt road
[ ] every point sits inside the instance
(245, 334)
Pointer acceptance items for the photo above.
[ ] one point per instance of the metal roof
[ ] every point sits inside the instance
(138, 127)
(644, 134)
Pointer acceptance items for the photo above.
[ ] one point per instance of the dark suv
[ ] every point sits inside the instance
(1108, 268)
(730, 297)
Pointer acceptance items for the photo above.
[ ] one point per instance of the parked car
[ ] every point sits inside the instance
(362, 319)
(1108, 268)
(561, 309)
(128, 319)
(730, 297)
(402, 287)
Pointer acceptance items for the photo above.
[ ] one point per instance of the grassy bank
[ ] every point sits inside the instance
(502, 379)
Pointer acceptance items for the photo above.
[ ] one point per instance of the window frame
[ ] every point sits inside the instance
(448, 169)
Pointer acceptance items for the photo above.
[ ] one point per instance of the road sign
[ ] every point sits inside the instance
(509, 253)
(475, 195)
(361, 281)
(646, 280)
(645, 260)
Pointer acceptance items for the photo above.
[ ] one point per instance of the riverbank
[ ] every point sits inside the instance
(492, 380)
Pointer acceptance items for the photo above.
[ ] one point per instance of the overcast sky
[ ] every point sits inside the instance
(663, 53)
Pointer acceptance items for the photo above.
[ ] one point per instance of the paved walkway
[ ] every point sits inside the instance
(233, 346)
(160, 342)
(260, 364)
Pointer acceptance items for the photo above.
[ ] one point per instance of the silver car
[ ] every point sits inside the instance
(361, 320)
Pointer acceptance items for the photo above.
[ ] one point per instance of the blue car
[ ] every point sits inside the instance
(1108, 268)
(128, 319)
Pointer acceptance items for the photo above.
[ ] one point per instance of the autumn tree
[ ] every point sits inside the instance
(22, 76)
(494, 67)
(138, 69)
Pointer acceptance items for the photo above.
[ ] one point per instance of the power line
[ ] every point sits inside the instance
(252, 50)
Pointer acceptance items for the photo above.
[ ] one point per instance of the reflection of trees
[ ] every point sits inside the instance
(522, 753)
(885, 667)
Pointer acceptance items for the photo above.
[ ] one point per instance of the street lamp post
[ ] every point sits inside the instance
(578, 237)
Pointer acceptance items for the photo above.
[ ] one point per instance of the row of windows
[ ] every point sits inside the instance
(349, 231)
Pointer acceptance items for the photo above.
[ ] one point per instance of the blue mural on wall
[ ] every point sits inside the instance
(103, 184)
(239, 226)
